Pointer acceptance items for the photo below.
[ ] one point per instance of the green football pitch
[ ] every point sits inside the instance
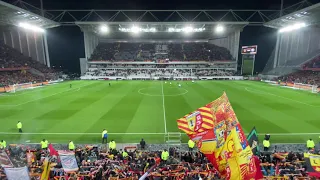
(131, 110)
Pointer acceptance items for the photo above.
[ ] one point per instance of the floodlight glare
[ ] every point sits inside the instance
(171, 29)
(104, 29)
(219, 29)
(152, 30)
(31, 27)
(187, 29)
(292, 27)
(135, 29)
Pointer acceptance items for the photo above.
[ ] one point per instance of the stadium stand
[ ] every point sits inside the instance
(100, 163)
(151, 52)
(192, 60)
(305, 77)
(17, 68)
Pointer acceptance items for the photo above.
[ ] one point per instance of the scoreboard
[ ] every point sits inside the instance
(249, 49)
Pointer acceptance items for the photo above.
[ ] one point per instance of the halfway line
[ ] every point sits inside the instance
(164, 110)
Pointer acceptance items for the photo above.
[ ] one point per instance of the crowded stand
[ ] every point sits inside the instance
(158, 72)
(18, 77)
(16, 68)
(152, 51)
(305, 77)
(100, 163)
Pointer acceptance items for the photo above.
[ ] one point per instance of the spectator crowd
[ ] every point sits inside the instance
(104, 164)
(304, 76)
(153, 51)
(16, 68)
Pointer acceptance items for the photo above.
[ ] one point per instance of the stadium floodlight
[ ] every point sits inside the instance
(31, 27)
(104, 29)
(187, 29)
(292, 27)
(152, 29)
(171, 30)
(219, 29)
(135, 29)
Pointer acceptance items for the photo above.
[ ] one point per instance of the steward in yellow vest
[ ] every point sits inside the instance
(3, 144)
(191, 144)
(44, 144)
(19, 127)
(71, 146)
(165, 155)
(112, 145)
(266, 145)
(310, 144)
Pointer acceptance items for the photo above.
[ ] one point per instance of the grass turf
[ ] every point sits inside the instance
(138, 107)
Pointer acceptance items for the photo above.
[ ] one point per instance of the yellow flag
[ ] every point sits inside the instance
(46, 170)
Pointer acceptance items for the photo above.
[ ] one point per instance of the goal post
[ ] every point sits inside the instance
(315, 89)
(306, 87)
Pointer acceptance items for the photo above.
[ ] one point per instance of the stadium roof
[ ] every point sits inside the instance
(10, 14)
(162, 20)
(309, 15)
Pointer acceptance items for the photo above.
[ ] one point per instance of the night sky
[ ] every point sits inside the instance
(66, 43)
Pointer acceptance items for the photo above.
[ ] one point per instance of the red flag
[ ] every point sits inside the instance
(257, 162)
(52, 151)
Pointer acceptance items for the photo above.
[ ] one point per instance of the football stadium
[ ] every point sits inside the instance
(161, 94)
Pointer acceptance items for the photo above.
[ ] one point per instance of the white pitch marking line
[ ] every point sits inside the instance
(47, 96)
(164, 109)
(262, 92)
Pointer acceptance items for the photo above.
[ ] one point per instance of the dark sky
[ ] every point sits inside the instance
(66, 43)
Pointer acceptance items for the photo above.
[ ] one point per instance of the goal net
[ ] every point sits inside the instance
(19, 87)
(307, 87)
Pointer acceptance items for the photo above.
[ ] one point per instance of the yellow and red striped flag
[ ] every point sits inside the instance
(219, 135)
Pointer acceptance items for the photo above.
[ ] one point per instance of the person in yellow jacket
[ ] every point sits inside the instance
(310, 144)
(71, 146)
(125, 154)
(104, 136)
(44, 144)
(266, 145)
(19, 127)
(3, 144)
(112, 145)
(164, 155)
(191, 145)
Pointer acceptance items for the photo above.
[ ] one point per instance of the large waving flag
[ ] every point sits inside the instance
(219, 135)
